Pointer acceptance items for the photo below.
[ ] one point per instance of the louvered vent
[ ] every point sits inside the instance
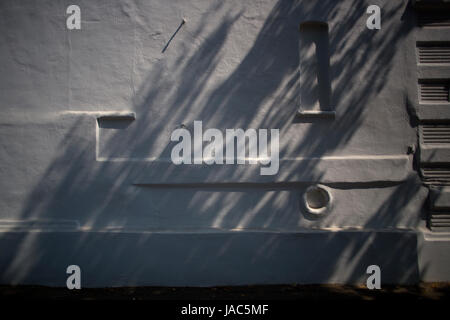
(434, 54)
(436, 176)
(434, 19)
(434, 92)
(439, 220)
(435, 134)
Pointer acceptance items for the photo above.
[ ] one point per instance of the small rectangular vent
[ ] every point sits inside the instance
(432, 134)
(434, 54)
(434, 92)
(438, 176)
(439, 220)
(434, 18)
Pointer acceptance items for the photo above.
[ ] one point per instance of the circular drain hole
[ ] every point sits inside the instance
(317, 199)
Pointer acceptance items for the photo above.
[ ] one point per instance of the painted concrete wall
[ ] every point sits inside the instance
(86, 116)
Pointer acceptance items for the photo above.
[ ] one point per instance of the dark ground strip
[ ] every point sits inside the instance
(428, 291)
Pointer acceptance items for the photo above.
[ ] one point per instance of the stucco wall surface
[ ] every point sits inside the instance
(86, 116)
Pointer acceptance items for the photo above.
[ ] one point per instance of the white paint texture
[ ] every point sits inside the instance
(72, 155)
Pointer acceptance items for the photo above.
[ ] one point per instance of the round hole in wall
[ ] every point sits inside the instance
(317, 199)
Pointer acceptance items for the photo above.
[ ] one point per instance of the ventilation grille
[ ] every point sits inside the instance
(435, 133)
(439, 220)
(436, 176)
(436, 19)
(434, 54)
(434, 92)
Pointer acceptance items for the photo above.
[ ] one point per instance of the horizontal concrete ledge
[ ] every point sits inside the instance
(38, 225)
(113, 115)
(8, 226)
(433, 111)
(52, 117)
(351, 169)
(208, 259)
(117, 116)
(316, 114)
(266, 186)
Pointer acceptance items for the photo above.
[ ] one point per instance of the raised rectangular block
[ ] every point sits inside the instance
(433, 111)
(440, 198)
(428, 72)
(434, 154)
(432, 34)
